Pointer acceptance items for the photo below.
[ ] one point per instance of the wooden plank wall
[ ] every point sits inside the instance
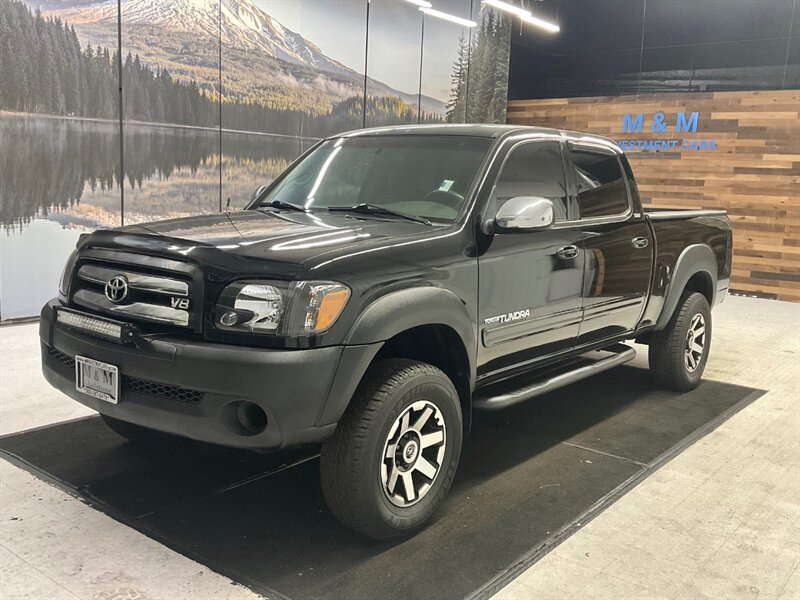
(754, 174)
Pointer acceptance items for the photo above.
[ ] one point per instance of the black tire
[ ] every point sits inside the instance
(668, 360)
(135, 433)
(354, 474)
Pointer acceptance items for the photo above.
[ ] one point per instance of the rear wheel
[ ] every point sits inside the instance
(678, 353)
(393, 456)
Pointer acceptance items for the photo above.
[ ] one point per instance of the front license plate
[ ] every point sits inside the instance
(97, 379)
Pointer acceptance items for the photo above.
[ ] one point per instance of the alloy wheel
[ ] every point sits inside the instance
(413, 453)
(695, 343)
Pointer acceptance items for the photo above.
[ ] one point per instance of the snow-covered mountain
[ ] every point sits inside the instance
(244, 25)
(176, 34)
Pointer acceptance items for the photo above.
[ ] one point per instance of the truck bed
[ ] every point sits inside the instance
(682, 237)
(662, 214)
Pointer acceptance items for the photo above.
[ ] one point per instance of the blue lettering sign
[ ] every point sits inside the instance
(659, 124)
(632, 125)
(681, 124)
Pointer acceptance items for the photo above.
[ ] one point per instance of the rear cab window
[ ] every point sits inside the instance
(601, 188)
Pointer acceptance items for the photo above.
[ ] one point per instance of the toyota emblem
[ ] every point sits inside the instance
(117, 289)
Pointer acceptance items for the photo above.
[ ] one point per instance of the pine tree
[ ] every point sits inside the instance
(480, 74)
(456, 105)
(477, 67)
(500, 94)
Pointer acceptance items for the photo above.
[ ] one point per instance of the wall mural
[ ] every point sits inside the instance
(218, 97)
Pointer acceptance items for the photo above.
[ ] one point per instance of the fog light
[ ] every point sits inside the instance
(252, 417)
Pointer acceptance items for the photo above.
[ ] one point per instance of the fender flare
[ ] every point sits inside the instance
(413, 307)
(386, 317)
(697, 258)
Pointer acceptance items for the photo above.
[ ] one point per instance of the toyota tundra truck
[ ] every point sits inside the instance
(388, 285)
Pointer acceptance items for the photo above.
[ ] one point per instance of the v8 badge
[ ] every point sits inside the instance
(180, 303)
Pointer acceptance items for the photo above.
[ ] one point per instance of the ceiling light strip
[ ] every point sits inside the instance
(448, 17)
(524, 15)
(509, 8)
(541, 23)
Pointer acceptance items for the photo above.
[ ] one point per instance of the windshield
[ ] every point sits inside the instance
(425, 176)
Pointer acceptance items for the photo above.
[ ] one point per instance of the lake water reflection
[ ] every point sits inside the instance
(60, 178)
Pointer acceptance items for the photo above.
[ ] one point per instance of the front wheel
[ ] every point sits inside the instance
(678, 353)
(394, 454)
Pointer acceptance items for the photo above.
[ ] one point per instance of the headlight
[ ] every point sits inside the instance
(66, 275)
(250, 306)
(291, 309)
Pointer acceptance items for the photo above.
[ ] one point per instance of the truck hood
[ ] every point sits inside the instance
(287, 237)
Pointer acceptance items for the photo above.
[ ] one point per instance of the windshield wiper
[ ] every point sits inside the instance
(374, 209)
(282, 204)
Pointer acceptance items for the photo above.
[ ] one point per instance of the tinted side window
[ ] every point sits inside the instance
(601, 187)
(534, 169)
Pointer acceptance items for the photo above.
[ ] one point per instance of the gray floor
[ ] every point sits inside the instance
(722, 520)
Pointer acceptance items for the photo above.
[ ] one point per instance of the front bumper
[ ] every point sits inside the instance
(194, 389)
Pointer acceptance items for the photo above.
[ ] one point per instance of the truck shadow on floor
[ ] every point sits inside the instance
(525, 474)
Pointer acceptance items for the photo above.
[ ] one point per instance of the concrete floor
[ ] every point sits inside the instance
(722, 520)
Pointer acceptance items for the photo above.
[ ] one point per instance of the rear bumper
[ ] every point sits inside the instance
(195, 389)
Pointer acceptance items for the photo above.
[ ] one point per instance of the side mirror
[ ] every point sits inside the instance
(528, 213)
(257, 192)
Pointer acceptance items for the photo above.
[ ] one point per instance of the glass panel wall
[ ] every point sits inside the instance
(288, 79)
(170, 79)
(487, 76)
(445, 61)
(393, 64)
(59, 144)
(219, 96)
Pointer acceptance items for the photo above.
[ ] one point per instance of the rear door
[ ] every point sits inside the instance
(617, 243)
(530, 283)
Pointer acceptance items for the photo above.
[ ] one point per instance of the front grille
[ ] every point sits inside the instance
(161, 390)
(138, 386)
(138, 295)
(64, 359)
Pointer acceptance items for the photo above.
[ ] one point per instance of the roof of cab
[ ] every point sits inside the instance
(486, 131)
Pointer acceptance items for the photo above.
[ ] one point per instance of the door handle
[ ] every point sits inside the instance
(640, 242)
(568, 252)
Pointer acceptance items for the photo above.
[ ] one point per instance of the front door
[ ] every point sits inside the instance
(530, 283)
(617, 242)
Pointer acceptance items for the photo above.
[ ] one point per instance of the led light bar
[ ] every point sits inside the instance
(422, 3)
(448, 17)
(103, 328)
(523, 14)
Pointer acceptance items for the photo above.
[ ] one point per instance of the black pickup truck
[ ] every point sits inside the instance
(388, 284)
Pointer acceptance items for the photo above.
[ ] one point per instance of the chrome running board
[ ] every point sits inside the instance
(620, 354)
